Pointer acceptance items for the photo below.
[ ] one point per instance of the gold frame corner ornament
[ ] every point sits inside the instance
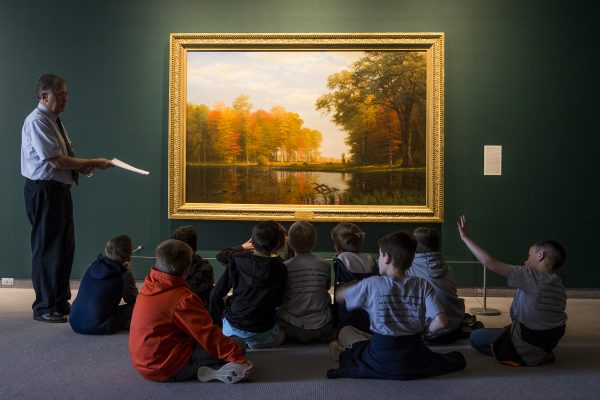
(431, 43)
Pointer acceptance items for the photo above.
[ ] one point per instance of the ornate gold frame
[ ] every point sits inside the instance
(431, 43)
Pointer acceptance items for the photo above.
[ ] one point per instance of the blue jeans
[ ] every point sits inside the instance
(253, 339)
(482, 339)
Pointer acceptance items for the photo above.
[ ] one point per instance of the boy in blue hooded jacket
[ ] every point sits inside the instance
(97, 309)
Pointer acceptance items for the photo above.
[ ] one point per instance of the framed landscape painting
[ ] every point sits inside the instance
(323, 127)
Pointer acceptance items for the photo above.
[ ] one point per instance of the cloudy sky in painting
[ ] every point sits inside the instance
(293, 80)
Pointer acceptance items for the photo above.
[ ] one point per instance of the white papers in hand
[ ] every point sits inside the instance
(118, 163)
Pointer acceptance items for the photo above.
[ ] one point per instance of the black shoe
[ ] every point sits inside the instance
(51, 317)
(64, 309)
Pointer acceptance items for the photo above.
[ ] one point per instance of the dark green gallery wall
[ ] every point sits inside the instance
(521, 74)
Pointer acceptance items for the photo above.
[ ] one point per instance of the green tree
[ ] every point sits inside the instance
(196, 132)
(396, 81)
(242, 108)
(393, 81)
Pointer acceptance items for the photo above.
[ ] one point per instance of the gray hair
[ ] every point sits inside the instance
(48, 83)
(173, 257)
(119, 249)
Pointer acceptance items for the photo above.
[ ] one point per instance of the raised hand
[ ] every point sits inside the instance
(463, 230)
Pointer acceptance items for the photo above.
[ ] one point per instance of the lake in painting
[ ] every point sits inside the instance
(270, 185)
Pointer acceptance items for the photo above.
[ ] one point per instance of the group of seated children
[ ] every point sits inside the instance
(383, 316)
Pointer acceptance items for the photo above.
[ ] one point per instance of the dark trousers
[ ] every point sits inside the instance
(50, 211)
(399, 357)
(199, 358)
(120, 320)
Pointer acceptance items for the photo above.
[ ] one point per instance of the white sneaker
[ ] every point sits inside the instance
(228, 373)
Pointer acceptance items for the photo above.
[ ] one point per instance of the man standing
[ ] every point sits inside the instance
(50, 168)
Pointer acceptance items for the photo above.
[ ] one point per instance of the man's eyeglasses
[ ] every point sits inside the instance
(60, 96)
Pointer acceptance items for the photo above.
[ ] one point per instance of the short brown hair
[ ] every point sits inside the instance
(428, 240)
(186, 234)
(554, 250)
(401, 246)
(347, 237)
(119, 249)
(173, 257)
(302, 236)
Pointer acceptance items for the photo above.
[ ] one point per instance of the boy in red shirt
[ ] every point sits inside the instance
(172, 337)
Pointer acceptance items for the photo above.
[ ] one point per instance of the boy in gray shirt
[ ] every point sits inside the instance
(397, 306)
(537, 311)
(429, 264)
(305, 314)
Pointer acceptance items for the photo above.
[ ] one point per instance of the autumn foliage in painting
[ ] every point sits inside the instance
(380, 102)
(236, 134)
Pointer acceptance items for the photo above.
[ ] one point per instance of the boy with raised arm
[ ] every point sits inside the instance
(537, 311)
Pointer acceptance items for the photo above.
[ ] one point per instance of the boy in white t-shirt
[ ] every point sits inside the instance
(398, 307)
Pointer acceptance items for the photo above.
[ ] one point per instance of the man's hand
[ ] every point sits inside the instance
(88, 171)
(102, 163)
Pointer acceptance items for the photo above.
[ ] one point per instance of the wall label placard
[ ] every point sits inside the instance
(492, 160)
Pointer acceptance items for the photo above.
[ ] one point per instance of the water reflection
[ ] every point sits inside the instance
(263, 185)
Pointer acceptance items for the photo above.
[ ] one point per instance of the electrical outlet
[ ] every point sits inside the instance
(8, 281)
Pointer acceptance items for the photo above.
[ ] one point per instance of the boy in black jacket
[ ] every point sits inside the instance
(258, 278)
(200, 277)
